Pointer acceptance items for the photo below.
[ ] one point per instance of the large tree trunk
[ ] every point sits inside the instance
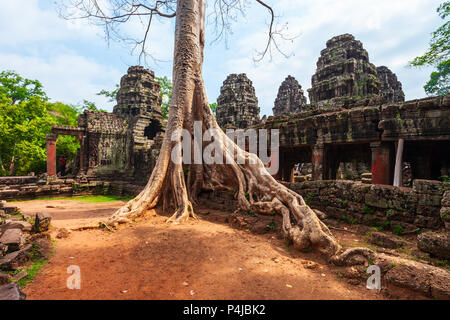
(167, 184)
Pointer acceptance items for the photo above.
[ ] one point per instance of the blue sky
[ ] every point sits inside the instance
(73, 61)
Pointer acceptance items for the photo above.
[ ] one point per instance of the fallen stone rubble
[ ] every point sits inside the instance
(16, 246)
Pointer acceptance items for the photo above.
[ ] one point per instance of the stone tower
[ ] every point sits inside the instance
(237, 105)
(290, 98)
(138, 94)
(139, 103)
(344, 74)
(390, 88)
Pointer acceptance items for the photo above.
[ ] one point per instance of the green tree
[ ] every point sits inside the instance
(439, 83)
(438, 55)
(19, 89)
(213, 107)
(25, 120)
(111, 95)
(89, 105)
(166, 94)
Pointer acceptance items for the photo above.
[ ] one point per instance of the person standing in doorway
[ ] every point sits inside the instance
(62, 164)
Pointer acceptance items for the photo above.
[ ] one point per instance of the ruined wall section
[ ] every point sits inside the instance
(422, 119)
(405, 210)
(237, 105)
(124, 144)
(290, 98)
(107, 147)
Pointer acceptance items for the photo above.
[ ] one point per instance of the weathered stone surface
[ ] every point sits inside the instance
(13, 260)
(237, 104)
(290, 98)
(386, 241)
(11, 291)
(344, 74)
(445, 202)
(259, 227)
(3, 249)
(138, 94)
(22, 225)
(392, 208)
(42, 222)
(428, 187)
(434, 243)
(425, 279)
(19, 276)
(11, 210)
(390, 88)
(13, 238)
(4, 279)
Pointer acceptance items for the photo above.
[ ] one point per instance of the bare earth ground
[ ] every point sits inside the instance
(203, 259)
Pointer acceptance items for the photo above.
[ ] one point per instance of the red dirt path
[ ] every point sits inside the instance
(150, 259)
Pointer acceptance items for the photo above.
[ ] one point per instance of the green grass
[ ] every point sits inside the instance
(94, 198)
(32, 271)
(38, 261)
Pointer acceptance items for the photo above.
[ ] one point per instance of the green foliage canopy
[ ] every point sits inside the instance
(166, 94)
(19, 89)
(26, 117)
(438, 55)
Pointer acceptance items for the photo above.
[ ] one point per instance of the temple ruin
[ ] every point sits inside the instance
(237, 105)
(344, 74)
(352, 130)
(123, 144)
(290, 98)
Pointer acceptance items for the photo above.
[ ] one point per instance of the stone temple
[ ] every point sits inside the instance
(237, 105)
(344, 74)
(122, 145)
(290, 98)
(390, 88)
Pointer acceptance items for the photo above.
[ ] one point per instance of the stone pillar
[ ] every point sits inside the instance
(317, 162)
(51, 154)
(381, 163)
(398, 171)
(82, 140)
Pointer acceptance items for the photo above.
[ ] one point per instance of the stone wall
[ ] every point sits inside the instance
(400, 209)
(34, 188)
(425, 206)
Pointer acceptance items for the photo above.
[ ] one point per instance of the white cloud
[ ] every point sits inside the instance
(24, 22)
(66, 77)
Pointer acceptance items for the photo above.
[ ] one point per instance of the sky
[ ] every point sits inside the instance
(73, 60)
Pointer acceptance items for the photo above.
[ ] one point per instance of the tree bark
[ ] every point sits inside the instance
(167, 184)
